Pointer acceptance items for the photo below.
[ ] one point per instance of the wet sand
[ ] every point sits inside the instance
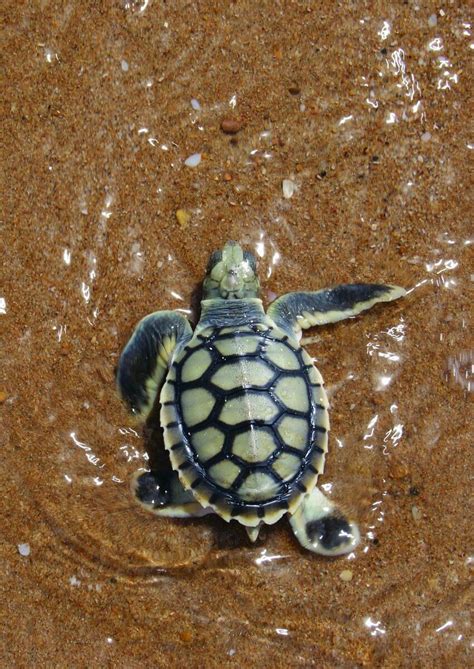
(363, 106)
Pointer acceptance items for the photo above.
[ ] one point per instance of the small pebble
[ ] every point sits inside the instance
(193, 161)
(195, 104)
(3, 396)
(288, 188)
(186, 636)
(294, 89)
(426, 136)
(24, 549)
(183, 217)
(231, 126)
(104, 373)
(399, 470)
(346, 575)
(432, 21)
(278, 53)
(416, 513)
(124, 65)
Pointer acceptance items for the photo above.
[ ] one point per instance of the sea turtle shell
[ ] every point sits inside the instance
(245, 421)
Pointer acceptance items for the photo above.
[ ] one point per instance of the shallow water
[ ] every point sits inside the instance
(364, 110)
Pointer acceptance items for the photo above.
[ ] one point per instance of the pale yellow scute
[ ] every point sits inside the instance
(320, 397)
(244, 372)
(248, 407)
(207, 442)
(224, 473)
(282, 356)
(292, 392)
(286, 465)
(237, 345)
(196, 405)
(315, 375)
(255, 445)
(294, 432)
(258, 487)
(196, 365)
(167, 393)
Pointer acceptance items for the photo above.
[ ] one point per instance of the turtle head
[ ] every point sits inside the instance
(231, 274)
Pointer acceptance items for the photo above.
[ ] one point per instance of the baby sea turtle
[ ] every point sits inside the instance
(243, 408)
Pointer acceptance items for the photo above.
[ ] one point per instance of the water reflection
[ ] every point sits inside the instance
(375, 627)
(461, 369)
(265, 557)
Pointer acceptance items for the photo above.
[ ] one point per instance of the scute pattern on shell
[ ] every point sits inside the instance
(248, 429)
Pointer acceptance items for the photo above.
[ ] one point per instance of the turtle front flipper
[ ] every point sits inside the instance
(296, 311)
(163, 495)
(144, 362)
(320, 527)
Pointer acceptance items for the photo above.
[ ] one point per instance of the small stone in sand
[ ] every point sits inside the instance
(416, 513)
(294, 89)
(195, 104)
(193, 160)
(24, 549)
(399, 470)
(183, 217)
(231, 126)
(288, 188)
(3, 396)
(346, 575)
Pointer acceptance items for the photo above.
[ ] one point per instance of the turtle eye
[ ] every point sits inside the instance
(215, 257)
(250, 258)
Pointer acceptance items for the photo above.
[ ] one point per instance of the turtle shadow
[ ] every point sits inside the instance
(195, 303)
(154, 444)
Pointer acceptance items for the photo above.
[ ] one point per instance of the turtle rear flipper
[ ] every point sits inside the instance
(296, 311)
(163, 495)
(320, 527)
(144, 362)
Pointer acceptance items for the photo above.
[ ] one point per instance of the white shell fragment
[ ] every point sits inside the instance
(193, 160)
(288, 188)
(24, 549)
(195, 104)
